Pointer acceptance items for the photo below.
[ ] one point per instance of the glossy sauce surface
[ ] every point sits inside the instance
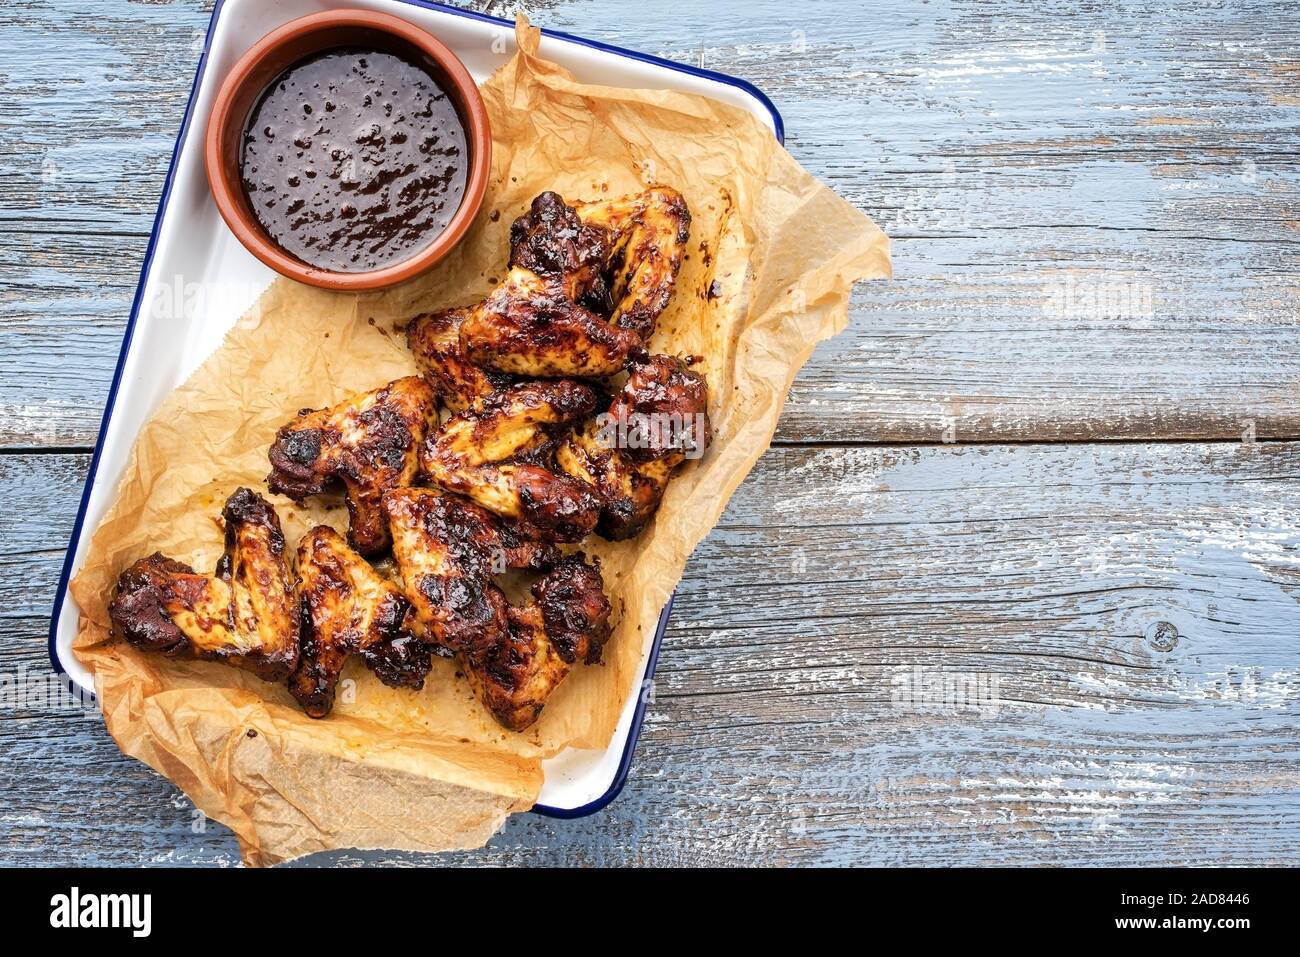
(354, 160)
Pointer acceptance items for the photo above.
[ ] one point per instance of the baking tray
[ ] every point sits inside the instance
(190, 244)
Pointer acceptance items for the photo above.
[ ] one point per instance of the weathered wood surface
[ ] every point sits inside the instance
(1096, 226)
(1095, 211)
(796, 716)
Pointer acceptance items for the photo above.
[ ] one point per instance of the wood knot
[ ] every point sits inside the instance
(1162, 636)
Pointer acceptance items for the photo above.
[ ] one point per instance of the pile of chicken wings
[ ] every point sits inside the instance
(540, 418)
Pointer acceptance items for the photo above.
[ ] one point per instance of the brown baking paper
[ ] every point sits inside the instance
(771, 260)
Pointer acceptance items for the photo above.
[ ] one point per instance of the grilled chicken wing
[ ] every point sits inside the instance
(514, 677)
(550, 240)
(570, 266)
(568, 620)
(575, 611)
(649, 233)
(663, 409)
(630, 492)
(348, 608)
(370, 443)
(508, 422)
(528, 326)
(244, 615)
(447, 550)
(542, 320)
(434, 338)
(658, 419)
(491, 454)
(551, 504)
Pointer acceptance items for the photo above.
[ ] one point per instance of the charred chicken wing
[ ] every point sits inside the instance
(514, 677)
(568, 620)
(630, 492)
(658, 419)
(490, 454)
(575, 611)
(663, 409)
(244, 614)
(348, 608)
(570, 267)
(542, 319)
(370, 443)
(447, 550)
(528, 326)
(648, 233)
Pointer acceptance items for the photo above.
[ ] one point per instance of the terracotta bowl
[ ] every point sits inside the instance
(305, 37)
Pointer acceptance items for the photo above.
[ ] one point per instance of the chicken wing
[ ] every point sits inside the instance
(514, 677)
(447, 550)
(244, 614)
(568, 620)
(550, 240)
(370, 443)
(662, 410)
(347, 608)
(528, 326)
(570, 266)
(575, 611)
(649, 233)
(484, 454)
(628, 456)
(630, 491)
(434, 338)
(507, 423)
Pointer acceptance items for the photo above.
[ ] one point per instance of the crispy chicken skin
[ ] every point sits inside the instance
(570, 267)
(649, 233)
(346, 608)
(528, 326)
(550, 240)
(434, 339)
(447, 550)
(630, 492)
(403, 662)
(659, 417)
(245, 614)
(567, 620)
(498, 455)
(575, 611)
(369, 442)
(514, 677)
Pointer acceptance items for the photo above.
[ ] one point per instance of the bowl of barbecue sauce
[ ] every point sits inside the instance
(348, 150)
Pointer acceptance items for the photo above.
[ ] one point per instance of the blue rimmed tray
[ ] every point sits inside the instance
(195, 244)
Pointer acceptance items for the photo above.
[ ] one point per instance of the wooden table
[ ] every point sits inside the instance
(1018, 580)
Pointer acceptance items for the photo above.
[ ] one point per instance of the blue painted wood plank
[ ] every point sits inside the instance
(1138, 169)
(951, 655)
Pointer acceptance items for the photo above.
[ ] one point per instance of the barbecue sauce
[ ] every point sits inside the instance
(353, 160)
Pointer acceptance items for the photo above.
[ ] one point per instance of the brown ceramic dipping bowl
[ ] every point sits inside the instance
(297, 40)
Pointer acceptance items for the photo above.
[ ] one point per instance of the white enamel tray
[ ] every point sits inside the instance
(191, 249)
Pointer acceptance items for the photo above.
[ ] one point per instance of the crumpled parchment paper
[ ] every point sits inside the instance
(771, 260)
